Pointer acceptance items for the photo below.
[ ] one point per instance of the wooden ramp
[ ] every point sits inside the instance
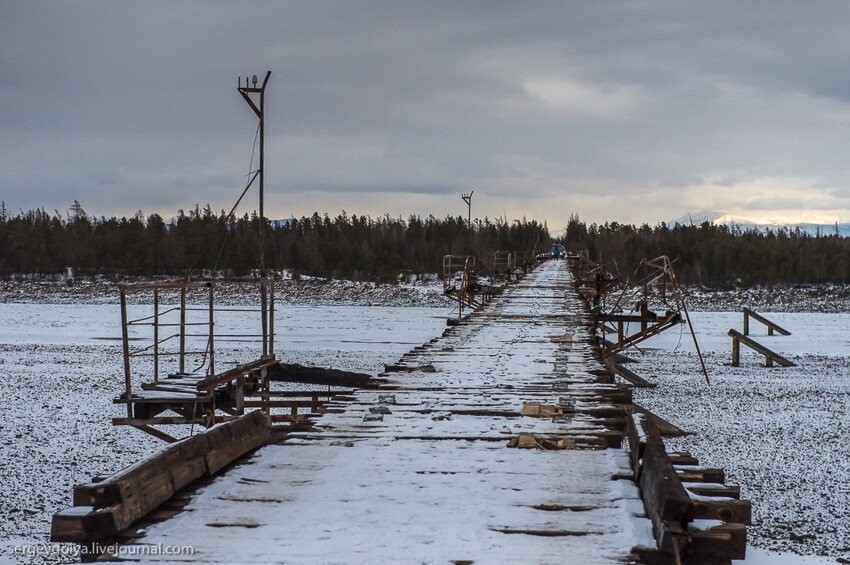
(500, 442)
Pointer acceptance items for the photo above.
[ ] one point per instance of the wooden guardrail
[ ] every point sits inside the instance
(771, 326)
(101, 510)
(769, 355)
(683, 514)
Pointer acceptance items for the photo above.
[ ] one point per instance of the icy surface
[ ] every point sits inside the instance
(781, 433)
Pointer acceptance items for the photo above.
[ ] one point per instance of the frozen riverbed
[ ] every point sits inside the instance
(60, 366)
(781, 433)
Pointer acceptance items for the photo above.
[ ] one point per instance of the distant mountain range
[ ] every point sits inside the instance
(760, 223)
(281, 223)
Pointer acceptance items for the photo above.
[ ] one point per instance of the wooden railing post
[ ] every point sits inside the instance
(736, 352)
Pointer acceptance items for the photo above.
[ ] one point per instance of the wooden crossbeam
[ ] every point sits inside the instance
(231, 374)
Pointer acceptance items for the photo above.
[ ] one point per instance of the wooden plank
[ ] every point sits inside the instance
(718, 544)
(284, 403)
(700, 474)
(221, 378)
(714, 489)
(664, 497)
(726, 510)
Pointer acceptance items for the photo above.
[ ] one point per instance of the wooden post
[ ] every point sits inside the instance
(125, 338)
(212, 330)
(736, 352)
(264, 315)
(156, 335)
(240, 395)
(746, 323)
(183, 329)
(271, 316)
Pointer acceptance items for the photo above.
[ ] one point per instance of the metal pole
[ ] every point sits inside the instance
(125, 338)
(212, 332)
(264, 314)
(183, 329)
(271, 316)
(156, 335)
(262, 177)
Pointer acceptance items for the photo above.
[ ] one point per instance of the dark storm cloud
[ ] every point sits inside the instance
(630, 111)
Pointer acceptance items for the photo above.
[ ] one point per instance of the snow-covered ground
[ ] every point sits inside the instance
(60, 366)
(780, 433)
(306, 292)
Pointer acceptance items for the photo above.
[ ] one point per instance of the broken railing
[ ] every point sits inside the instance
(179, 342)
(657, 284)
(187, 330)
(696, 518)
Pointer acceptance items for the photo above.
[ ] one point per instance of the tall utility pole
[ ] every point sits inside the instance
(246, 92)
(468, 199)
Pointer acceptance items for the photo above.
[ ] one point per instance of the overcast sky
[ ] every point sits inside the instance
(627, 111)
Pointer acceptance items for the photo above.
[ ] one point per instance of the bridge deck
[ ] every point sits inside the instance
(434, 481)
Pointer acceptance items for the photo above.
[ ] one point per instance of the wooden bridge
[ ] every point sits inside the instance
(500, 441)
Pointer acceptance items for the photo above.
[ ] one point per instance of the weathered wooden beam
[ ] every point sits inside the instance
(700, 474)
(721, 508)
(769, 355)
(664, 427)
(103, 509)
(629, 375)
(222, 378)
(295, 373)
(717, 544)
(714, 489)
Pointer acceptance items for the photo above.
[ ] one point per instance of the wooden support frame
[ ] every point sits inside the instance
(771, 326)
(769, 355)
(658, 272)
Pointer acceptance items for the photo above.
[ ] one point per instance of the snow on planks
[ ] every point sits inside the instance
(419, 470)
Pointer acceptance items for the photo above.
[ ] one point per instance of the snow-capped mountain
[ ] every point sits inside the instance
(811, 226)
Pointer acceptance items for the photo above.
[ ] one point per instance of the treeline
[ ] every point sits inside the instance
(343, 246)
(717, 256)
